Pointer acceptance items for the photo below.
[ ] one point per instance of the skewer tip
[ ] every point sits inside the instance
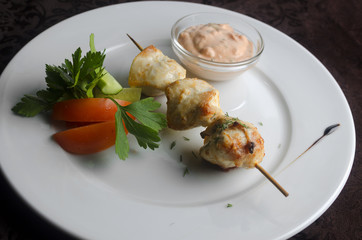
(272, 180)
(136, 43)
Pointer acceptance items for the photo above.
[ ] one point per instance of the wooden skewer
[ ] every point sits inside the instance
(272, 180)
(263, 171)
(260, 168)
(136, 43)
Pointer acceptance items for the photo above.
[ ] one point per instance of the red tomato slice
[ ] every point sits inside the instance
(86, 110)
(77, 124)
(87, 139)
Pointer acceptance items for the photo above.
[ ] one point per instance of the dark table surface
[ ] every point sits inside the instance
(329, 29)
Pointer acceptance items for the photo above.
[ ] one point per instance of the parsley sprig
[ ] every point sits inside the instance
(77, 78)
(72, 79)
(146, 130)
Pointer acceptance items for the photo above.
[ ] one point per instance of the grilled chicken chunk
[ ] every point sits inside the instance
(230, 142)
(192, 102)
(152, 71)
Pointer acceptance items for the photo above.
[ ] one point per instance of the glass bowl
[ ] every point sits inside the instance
(211, 70)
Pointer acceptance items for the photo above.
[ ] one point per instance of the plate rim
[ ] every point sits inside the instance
(302, 225)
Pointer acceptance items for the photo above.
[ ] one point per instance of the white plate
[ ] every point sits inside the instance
(147, 196)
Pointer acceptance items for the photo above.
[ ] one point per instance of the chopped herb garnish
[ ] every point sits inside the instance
(232, 121)
(186, 139)
(213, 116)
(229, 205)
(194, 154)
(242, 124)
(224, 125)
(186, 171)
(260, 123)
(173, 144)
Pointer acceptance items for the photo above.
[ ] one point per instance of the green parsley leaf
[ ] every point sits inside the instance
(122, 145)
(146, 135)
(143, 111)
(229, 205)
(30, 106)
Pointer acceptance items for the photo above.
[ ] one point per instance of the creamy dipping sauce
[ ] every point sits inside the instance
(216, 42)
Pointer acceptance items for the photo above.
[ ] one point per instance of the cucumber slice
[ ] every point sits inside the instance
(126, 94)
(108, 84)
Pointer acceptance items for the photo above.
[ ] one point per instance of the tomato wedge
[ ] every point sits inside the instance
(86, 110)
(87, 139)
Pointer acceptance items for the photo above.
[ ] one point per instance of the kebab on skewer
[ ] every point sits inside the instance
(191, 102)
(228, 142)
